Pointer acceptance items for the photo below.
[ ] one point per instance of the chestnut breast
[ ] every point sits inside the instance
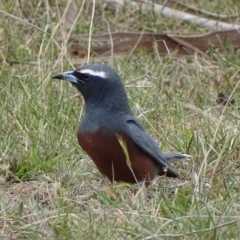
(109, 157)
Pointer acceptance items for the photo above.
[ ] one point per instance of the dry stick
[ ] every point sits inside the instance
(171, 13)
(90, 31)
(203, 12)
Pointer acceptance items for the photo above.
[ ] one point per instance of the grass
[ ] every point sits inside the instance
(49, 189)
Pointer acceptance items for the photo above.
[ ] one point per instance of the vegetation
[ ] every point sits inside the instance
(49, 188)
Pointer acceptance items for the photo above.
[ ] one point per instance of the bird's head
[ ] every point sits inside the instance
(97, 83)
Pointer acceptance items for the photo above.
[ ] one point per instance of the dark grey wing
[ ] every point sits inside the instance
(137, 133)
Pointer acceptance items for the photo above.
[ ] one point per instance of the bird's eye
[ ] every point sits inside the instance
(85, 76)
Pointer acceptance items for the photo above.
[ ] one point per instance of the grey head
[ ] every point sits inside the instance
(100, 86)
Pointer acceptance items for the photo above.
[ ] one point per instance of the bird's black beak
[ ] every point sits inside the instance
(58, 76)
(68, 76)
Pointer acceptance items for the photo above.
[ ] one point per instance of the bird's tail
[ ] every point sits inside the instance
(175, 156)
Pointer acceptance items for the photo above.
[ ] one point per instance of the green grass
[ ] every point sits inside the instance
(49, 188)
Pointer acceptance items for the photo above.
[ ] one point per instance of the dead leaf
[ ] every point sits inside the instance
(134, 43)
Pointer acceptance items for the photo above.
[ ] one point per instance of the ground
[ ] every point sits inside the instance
(50, 189)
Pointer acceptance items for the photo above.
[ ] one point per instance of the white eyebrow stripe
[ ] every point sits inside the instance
(94, 73)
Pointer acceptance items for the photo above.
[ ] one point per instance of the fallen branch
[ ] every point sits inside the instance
(194, 10)
(172, 13)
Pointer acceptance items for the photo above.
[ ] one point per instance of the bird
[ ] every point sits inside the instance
(110, 134)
